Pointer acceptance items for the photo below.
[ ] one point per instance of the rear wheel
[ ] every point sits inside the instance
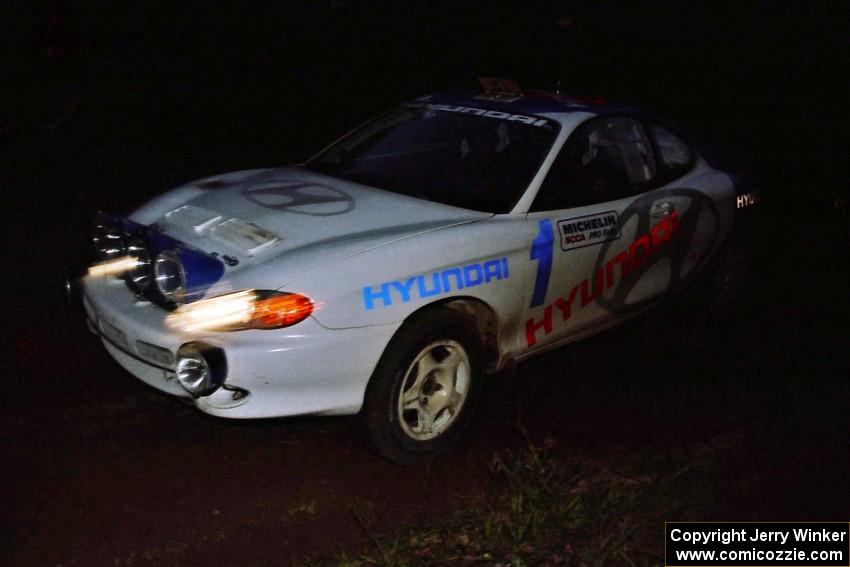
(730, 275)
(425, 388)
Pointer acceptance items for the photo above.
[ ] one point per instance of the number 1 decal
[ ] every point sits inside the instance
(541, 250)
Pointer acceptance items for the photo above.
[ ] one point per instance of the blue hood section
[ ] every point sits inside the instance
(202, 270)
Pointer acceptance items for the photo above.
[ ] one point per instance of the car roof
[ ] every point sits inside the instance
(531, 102)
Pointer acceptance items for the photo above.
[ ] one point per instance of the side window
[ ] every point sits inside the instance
(607, 158)
(674, 155)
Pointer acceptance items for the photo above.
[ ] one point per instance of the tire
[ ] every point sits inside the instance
(729, 276)
(425, 388)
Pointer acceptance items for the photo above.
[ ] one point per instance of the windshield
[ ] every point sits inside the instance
(456, 155)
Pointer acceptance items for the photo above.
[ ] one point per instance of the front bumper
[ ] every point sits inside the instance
(303, 369)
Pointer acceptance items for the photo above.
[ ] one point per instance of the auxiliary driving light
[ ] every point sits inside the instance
(201, 369)
(169, 276)
(139, 277)
(108, 242)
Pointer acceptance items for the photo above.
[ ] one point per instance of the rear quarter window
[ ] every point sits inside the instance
(674, 155)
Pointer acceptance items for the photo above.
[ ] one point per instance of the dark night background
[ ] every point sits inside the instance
(104, 105)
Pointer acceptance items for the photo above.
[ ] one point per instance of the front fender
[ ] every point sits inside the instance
(486, 260)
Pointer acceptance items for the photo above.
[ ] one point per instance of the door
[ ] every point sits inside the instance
(604, 232)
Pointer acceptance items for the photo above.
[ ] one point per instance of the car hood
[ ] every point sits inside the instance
(290, 220)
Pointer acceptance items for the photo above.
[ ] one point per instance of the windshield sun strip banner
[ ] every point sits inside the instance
(498, 114)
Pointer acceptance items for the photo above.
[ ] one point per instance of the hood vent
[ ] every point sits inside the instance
(197, 219)
(245, 236)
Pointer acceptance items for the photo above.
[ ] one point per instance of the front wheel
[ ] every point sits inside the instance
(425, 387)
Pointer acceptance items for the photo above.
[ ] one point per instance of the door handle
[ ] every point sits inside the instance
(661, 210)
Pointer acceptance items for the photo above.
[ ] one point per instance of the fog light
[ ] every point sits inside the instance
(201, 368)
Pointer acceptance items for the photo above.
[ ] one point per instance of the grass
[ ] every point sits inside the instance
(541, 509)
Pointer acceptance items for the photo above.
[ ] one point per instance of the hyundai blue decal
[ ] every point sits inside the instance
(541, 250)
(437, 283)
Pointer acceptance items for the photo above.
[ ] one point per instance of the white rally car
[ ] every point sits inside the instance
(441, 242)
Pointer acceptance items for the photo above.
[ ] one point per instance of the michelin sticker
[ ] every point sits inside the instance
(589, 230)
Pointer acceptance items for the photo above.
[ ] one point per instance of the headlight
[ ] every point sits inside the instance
(250, 309)
(141, 274)
(201, 369)
(108, 242)
(169, 276)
